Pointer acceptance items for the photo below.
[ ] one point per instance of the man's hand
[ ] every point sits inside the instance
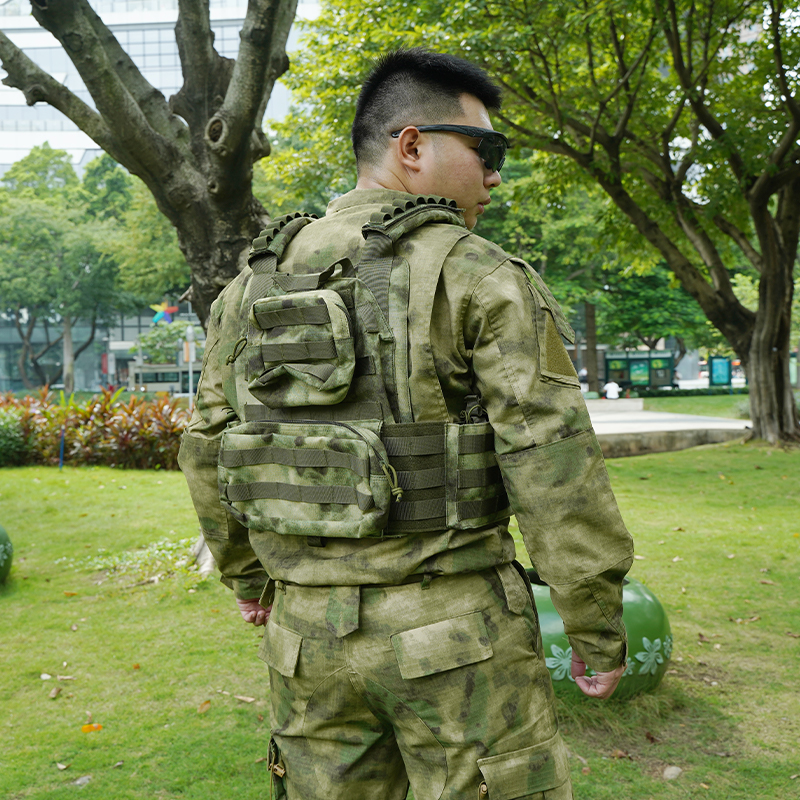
(253, 611)
(601, 685)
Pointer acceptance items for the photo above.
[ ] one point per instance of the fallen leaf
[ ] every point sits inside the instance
(73, 627)
(54, 692)
(793, 635)
(644, 477)
(793, 777)
(638, 557)
(136, 666)
(45, 677)
(740, 621)
(63, 766)
(702, 638)
(204, 706)
(260, 717)
(65, 677)
(91, 727)
(768, 583)
(118, 764)
(244, 698)
(620, 754)
(585, 770)
(650, 738)
(757, 467)
(731, 555)
(70, 594)
(676, 559)
(704, 786)
(721, 476)
(678, 529)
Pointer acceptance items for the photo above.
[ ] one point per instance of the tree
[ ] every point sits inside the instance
(642, 309)
(161, 343)
(684, 113)
(194, 152)
(50, 267)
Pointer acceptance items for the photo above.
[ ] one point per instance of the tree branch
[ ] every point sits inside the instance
(146, 151)
(730, 230)
(777, 49)
(266, 25)
(38, 86)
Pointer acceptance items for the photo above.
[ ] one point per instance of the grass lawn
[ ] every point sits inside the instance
(717, 535)
(735, 406)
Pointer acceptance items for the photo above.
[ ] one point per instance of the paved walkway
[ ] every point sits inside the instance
(624, 429)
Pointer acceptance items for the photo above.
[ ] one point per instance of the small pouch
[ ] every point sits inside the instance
(306, 478)
(305, 354)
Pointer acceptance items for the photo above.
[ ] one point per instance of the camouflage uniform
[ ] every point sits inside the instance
(420, 655)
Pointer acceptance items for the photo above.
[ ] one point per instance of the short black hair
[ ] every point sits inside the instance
(414, 87)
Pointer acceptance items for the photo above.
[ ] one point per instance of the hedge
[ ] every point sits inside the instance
(130, 433)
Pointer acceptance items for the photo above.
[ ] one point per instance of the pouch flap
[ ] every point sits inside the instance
(280, 648)
(526, 772)
(441, 646)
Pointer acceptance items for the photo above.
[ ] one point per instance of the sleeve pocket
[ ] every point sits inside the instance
(280, 648)
(442, 646)
(527, 772)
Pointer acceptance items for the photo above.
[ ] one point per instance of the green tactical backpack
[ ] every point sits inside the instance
(331, 449)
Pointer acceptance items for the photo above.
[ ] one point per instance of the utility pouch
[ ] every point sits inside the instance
(305, 353)
(307, 478)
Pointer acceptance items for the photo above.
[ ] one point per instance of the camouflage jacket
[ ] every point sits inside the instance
(495, 328)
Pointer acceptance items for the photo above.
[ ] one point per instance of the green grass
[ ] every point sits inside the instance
(735, 406)
(728, 713)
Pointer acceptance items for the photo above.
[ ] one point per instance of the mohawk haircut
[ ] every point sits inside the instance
(414, 87)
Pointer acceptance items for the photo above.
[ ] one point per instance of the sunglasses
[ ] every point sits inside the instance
(491, 148)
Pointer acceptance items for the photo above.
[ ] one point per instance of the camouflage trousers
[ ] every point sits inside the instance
(440, 683)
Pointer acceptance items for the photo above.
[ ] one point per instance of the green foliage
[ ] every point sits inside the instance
(44, 173)
(641, 309)
(12, 438)
(108, 429)
(145, 246)
(106, 189)
(161, 343)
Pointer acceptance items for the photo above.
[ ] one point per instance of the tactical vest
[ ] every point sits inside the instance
(332, 449)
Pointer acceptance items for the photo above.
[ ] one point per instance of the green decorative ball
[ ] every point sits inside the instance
(649, 639)
(6, 553)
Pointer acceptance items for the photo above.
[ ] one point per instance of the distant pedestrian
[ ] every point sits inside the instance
(611, 390)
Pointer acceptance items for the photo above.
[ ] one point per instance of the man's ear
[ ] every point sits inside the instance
(407, 149)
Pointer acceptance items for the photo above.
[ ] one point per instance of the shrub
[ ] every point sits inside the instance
(12, 438)
(693, 392)
(133, 433)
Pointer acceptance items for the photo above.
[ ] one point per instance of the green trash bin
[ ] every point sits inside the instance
(6, 553)
(649, 639)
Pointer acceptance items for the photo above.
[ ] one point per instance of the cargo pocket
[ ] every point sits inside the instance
(306, 478)
(442, 646)
(541, 771)
(305, 352)
(280, 649)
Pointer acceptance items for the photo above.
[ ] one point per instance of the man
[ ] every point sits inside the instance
(415, 654)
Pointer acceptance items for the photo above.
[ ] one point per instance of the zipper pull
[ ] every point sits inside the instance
(237, 350)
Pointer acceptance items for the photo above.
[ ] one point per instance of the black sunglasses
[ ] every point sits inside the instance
(491, 148)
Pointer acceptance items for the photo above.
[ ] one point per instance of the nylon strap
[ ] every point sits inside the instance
(291, 457)
(283, 317)
(295, 493)
(299, 351)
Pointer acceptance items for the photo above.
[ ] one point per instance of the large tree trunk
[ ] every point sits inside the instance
(591, 347)
(772, 405)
